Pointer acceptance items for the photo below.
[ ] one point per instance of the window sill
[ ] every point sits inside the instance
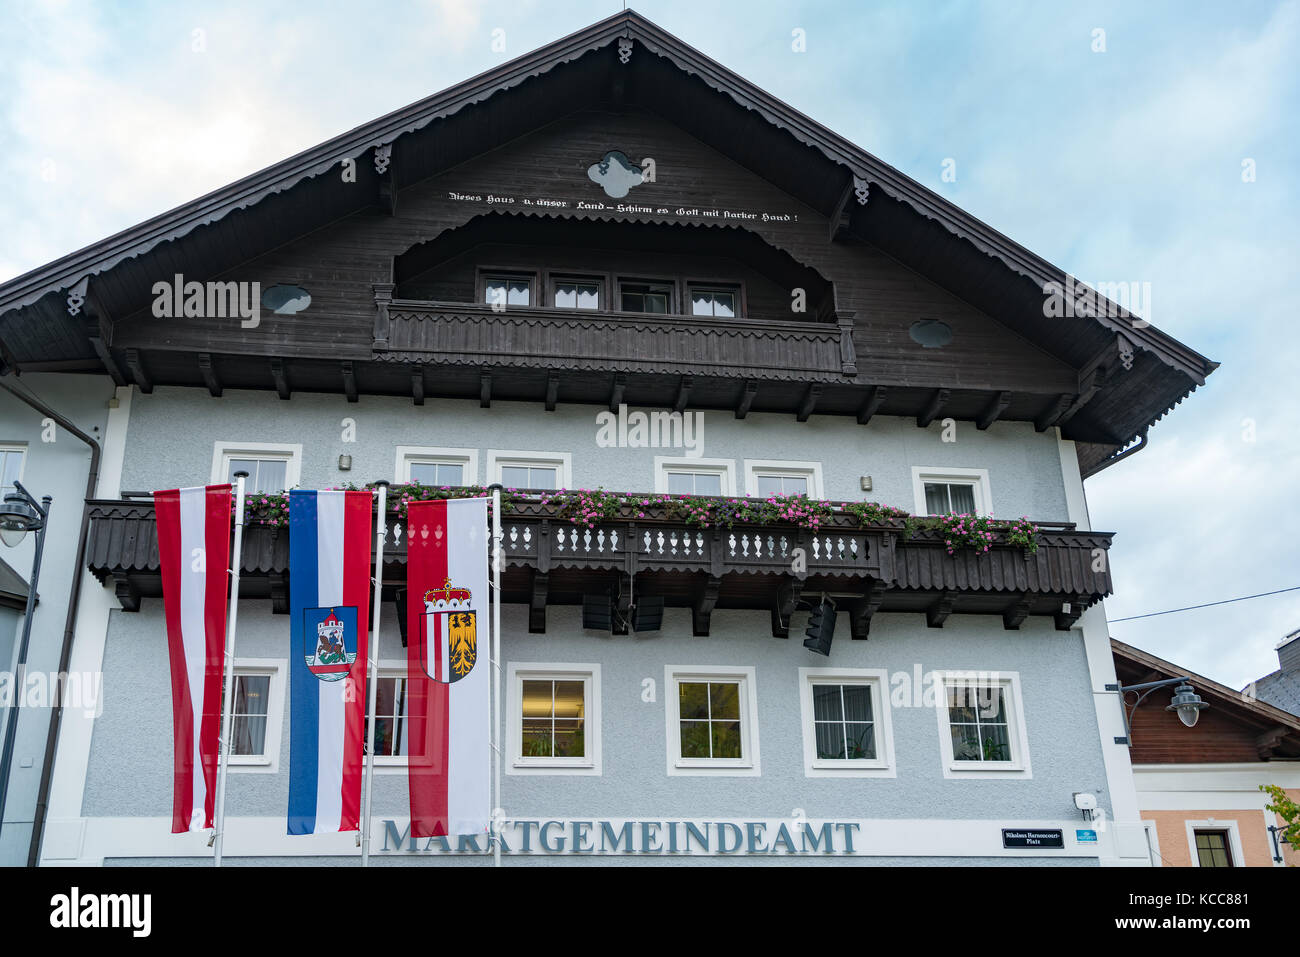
(707, 767)
(585, 766)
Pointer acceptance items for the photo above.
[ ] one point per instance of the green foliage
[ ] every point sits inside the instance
(1289, 811)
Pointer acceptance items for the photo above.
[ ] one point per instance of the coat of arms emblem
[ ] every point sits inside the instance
(449, 635)
(327, 635)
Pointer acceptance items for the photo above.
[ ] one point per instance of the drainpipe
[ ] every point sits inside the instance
(65, 655)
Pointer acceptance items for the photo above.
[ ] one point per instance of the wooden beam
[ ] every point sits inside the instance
(1015, 615)
(1052, 414)
(552, 390)
(128, 596)
(997, 405)
(1071, 609)
(842, 213)
(106, 357)
(537, 603)
(616, 392)
(746, 398)
(349, 379)
(683, 392)
(1094, 384)
(136, 365)
(281, 380)
(933, 408)
(279, 584)
(861, 610)
(875, 399)
(1267, 743)
(485, 389)
(809, 402)
(941, 608)
(706, 597)
(209, 374)
(417, 385)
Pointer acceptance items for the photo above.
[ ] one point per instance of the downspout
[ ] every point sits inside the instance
(65, 655)
(1141, 444)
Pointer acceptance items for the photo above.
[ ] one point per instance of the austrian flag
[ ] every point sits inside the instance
(194, 527)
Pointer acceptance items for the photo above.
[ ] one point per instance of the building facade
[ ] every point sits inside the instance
(613, 265)
(1199, 787)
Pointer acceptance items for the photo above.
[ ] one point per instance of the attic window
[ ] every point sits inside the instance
(930, 333)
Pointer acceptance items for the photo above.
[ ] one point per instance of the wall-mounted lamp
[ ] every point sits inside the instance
(1186, 702)
(345, 463)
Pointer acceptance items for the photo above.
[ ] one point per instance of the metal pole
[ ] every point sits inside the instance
(496, 671)
(372, 668)
(228, 663)
(19, 676)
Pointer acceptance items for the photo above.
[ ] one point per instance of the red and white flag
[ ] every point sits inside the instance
(194, 527)
(448, 669)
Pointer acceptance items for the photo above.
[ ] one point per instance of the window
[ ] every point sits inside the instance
(554, 724)
(656, 297)
(764, 479)
(1212, 849)
(256, 714)
(505, 290)
(530, 470)
(11, 467)
(435, 466)
(390, 716)
(720, 301)
(846, 723)
(690, 476)
(711, 721)
(576, 293)
(270, 467)
(981, 725)
(940, 491)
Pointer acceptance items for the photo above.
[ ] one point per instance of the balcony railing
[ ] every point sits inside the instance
(811, 350)
(549, 560)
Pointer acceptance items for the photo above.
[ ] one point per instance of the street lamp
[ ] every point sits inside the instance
(20, 513)
(1186, 702)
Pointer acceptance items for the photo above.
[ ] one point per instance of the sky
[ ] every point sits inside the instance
(1153, 143)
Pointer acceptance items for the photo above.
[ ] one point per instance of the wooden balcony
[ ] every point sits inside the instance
(550, 561)
(467, 334)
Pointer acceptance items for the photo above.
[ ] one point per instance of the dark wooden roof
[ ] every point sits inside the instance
(1236, 727)
(663, 75)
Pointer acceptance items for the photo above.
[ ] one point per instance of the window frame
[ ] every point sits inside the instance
(674, 295)
(714, 285)
(601, 281)
(288, 452)
(978, 479)
(883, 765)
(268, 762)
(562, 462)
(726, 468)
(1018, 738)
(386, 763)
(483, 273)
(748, 765)
(812, 471)
(21, 449)
(408, 455)
(517, 672)
(1237, 858)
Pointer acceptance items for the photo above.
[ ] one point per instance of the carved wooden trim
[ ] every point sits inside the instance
(209, 374)
(941, 608)
(383, 322)
(747, 395)
(281, 380)
(705, 600)
(861, 610)
(875, 399)
(997, 405)
(933, 408)
(848, 352)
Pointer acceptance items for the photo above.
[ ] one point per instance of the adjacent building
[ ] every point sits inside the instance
(614, 265)
(1199, 787)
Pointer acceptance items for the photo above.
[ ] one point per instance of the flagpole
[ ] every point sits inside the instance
(496, 670)
(372, 667)
(228, 666)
